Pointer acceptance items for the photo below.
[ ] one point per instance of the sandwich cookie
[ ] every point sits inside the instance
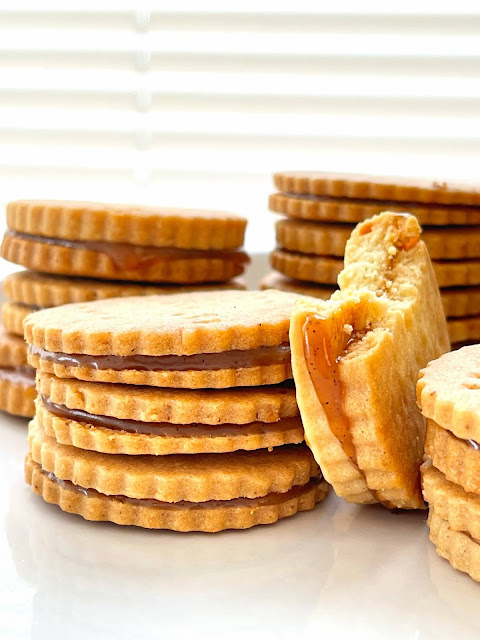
(447, 394)
(125, 242)
(29, 291)
(17, 379)
(355, 360)
(194, 340)
(143, 420)
(281, 283)
(204, 492)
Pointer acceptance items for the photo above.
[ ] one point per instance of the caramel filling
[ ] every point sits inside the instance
(193, 430)
(237, 359)
(129, 257)
(265, 501)
(23, 376)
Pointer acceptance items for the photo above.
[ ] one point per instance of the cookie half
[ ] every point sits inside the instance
(143, 420)
(355, 360)
(351, 210)
(195, 340)
(276, 281)
(17, 379)
(350, 185)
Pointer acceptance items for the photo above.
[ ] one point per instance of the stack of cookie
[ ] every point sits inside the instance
(170, 412)
(322, 208)
(448, 395)
(77, 251)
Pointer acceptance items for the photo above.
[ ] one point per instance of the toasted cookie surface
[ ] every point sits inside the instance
(195, 478)
(349, 185)
(353, 210)
(131, 224)
(277, 281)
(211, 516)
(356, 359)
(206, 340)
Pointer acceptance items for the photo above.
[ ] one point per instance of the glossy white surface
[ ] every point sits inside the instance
(338, 572)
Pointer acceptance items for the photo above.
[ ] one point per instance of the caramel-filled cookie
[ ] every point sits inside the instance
(29, 291)
(17, 379)
(125, 242)
(194, 340)
(146, 420)
(356, 358)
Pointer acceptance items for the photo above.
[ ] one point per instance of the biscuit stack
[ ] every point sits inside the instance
(322, 208)
(170, 412)
(78, 251)
(448, 394)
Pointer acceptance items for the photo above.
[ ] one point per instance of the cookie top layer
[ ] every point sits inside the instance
(180, 324)
(350, 185)
(13, 350)
(131, 224)
(448, 392)
(43, 290)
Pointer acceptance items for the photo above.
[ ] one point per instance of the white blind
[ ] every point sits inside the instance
(197, 103)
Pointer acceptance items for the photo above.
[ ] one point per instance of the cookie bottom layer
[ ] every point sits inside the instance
(212, 517)
(17, 393)
(459, 548)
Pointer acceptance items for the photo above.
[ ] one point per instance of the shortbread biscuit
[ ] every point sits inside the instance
(13, 350)
(211, 516)
(277, 281)
(194, 340)
(450, 502)
(355, 360)
(461, 302)
(13, 315)
(121, 261)
(42, 290)
(17, 379)
(130, 224)
(197, 478)
(446, 243)
(350, 210)
(447, 392)
(457, 273)
(350, 185)
(460, 549)
(458, 459)
(464, 329)
(300, 266)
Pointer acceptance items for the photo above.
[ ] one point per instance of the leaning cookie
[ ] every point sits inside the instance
(17, 379)
(205, 492)
(195, 340)
(122, 242)
(355, 360)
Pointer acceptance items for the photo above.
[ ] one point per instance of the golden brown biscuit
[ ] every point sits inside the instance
(312, 268)
(459, 302)
(461, 550)
(464, 329)
(197, 478)
(240, 513)
(185, 340)
(457, 273)
(276, 281)
(352, 210)
(13, 315)
(13, 350)
(131, 224)
(17, 391)
(356, 358)
(351, 185)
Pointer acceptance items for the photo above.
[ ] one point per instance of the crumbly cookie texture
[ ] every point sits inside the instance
(447, 392)
(172, 478)
(132, 224)
(321, 269)
(181, 324)
(275, 280)
(177, 406)
(13, 350)
(43, 290)
(16, 397)
(353, 210)
(450, 502)
(102, 263)
(100, 507)
(83, 435)
(461, 551)
(454, 457)
(383, 325)
(350, 185)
